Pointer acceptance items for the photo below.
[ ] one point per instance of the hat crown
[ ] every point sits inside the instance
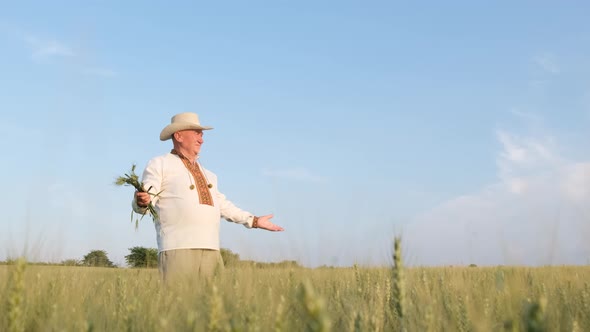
(187, 117)
(182, 121)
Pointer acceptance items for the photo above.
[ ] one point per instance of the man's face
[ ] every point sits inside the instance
(190, 140)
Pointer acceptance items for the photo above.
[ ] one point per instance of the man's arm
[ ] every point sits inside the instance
(232, 213)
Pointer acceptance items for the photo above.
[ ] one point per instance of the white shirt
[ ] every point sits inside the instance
(183, 222)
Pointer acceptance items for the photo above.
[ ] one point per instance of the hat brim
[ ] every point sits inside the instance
(170, 129)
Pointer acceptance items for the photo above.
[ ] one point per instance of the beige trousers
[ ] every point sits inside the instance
(189, 264)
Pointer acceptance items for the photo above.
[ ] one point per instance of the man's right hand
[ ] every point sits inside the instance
(142, 199)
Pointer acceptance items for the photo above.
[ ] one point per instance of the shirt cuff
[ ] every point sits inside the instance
(250, 222)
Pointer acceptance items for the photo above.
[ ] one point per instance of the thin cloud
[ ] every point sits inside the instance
(533, 214)
(100, 72)
(576, 184)
(298, 174)
(547, 63)
(522, 157)
(527, 116)
(44, 49)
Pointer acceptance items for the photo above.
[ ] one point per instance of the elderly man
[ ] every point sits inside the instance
(189, 205)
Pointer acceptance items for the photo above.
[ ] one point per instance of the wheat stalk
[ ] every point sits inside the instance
(397, 288)
(315, 308)
(132, 179)
(16, 298)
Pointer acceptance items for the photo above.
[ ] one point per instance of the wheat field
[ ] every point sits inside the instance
(246, 298)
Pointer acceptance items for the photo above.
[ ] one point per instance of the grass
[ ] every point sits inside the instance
(34, 298)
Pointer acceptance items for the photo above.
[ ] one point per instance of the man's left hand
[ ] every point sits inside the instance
(264, 223)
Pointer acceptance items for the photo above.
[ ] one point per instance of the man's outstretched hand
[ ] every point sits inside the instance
(264, 223)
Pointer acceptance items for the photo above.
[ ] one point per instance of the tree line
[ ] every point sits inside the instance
(139, 257)
(142, 257)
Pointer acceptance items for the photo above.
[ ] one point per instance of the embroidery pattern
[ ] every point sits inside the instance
(202, 188)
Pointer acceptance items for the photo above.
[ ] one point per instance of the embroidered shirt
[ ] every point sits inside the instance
(202, 185)
(184, 223)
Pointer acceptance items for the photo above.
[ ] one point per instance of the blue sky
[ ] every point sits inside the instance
(461, 126)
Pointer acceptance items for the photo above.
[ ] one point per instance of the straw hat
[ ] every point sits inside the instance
(182, 121)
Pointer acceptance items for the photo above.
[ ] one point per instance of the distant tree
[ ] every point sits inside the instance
(248, 263)
(282, 264)
(142, 257)
(229, 257)
(97, 258)
(71, 262)
(10, 261)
